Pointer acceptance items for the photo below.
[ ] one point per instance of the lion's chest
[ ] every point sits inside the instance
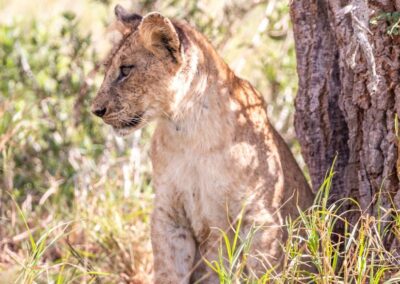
(197, 185)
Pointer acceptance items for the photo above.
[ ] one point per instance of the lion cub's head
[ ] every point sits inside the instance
(139, 72)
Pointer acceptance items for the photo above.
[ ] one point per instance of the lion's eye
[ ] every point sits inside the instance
(124, 70)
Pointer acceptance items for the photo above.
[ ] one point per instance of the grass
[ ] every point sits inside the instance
(232, 255)
(314, 253)
(106, 240)
(84, 250)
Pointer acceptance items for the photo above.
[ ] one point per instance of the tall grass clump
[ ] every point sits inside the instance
(323, 246)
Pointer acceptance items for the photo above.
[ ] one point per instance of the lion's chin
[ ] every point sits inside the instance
(125, 131)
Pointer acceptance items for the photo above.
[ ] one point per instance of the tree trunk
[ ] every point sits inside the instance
(349, 95)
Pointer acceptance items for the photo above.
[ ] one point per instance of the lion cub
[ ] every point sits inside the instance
(214, 151)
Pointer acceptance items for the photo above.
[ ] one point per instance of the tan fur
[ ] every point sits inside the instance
(214, 151)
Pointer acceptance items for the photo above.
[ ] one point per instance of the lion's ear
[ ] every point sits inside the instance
(160, 37)
(126, 22)
(128, 19)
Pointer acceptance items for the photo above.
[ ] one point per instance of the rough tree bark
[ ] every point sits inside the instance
(348, 96)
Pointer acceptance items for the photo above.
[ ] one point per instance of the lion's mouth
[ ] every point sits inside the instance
(130, 123)
(133, 122)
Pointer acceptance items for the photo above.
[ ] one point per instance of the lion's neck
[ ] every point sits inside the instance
(201, 112)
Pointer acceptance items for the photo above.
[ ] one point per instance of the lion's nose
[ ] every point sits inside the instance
(100, 112)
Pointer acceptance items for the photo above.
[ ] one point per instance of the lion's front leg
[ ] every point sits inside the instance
(267, 236)
(173, 246)
(208, 250)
